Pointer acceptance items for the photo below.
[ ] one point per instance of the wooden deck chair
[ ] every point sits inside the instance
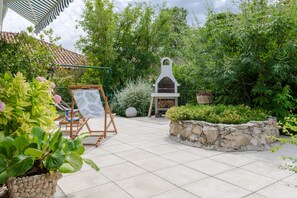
(89, 104)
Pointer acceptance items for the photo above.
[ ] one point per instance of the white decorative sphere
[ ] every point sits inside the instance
(131, 112)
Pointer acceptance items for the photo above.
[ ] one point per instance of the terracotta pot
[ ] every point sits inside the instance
(36, 186)
(204, 99)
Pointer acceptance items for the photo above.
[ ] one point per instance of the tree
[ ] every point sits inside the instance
(132, 41)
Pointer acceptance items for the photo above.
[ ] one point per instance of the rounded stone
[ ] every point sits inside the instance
(131, 112)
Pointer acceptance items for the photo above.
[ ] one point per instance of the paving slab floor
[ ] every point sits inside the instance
(141, 161)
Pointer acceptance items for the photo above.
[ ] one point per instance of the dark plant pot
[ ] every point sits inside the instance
(204, 99)
(36, 186)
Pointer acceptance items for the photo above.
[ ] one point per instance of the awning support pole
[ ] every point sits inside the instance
(1, 14)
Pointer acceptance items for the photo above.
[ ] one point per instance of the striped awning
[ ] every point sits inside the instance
(39, 12)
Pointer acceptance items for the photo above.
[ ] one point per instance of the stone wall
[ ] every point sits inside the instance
(252, 136)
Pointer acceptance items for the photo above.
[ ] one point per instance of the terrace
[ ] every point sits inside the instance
(243, 61)
(141, 161)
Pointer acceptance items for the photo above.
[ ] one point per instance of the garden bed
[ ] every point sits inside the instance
(252, 136)
(223, 128)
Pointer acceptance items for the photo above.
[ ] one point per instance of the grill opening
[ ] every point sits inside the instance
(166, 85)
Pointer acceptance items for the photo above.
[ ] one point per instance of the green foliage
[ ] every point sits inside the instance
(290, 129)
(131, 42)
(40, 152)
(26, 54)
(63, 77)
(226, 114)
(135, 94)
(250, 56)
(26, 109)
(191, 80)
(27, 104)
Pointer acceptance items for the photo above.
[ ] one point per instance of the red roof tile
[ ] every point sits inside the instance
(62, 55)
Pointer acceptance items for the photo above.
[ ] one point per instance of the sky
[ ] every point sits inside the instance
(64, 25)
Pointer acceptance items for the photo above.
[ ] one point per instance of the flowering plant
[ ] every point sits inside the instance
(28, 145)
(24, 104)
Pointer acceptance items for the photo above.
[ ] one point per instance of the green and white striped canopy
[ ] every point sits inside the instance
(40, 12)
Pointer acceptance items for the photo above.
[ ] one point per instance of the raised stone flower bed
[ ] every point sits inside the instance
(252, 136)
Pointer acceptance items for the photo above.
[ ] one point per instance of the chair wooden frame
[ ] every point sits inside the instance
(107, 112)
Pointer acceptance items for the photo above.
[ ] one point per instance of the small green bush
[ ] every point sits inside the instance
(289, 128)
(226, 114)
(24, 104)
(135, 94)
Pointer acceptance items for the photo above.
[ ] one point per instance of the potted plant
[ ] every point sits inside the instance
(31, 164)
(204, 97)
(32, 154)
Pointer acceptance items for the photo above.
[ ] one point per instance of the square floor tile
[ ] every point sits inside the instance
(233, 159)
(255, 196)
(203, 152)
(180, 175)
(81, 181)
(160, 149)
(145, 185)
(246, 179)
(154, 163)
(178, 145)
(214, 188)
(276, 157)
(208, 166)
(107, 160)
(181, 156)
(97, 152)
(117, 148)
(144, 144)
(267, 169)
(278, 190)
(109, 190)
(176, 193)
(121, 171)
(134, 155)
(291, 180)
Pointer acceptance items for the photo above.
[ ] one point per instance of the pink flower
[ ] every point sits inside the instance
(2, 106)
(53, 85)
(57, 98)
(40, 79)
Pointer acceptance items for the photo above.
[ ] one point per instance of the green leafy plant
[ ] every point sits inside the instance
(40, 152)
(135, 94)
(290, 129)
(250, 56)
(131, 41)
(226, 114)
(26, 54)
(24, 104)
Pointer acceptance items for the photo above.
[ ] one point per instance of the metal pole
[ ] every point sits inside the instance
(1, 14)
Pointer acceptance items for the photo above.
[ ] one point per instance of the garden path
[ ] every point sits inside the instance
(141, 161)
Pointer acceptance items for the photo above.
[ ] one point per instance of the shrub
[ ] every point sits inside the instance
(290, 129)
(135, 94)
(26, 54)
(251, 55)
(24, 104)
(226, 114)
(27, 111)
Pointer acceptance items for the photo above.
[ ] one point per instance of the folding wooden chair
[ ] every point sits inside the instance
(89, 104)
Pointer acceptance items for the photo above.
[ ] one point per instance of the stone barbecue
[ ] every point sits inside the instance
(166, 92)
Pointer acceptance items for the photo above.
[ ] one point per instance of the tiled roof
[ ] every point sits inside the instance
(62, 55)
